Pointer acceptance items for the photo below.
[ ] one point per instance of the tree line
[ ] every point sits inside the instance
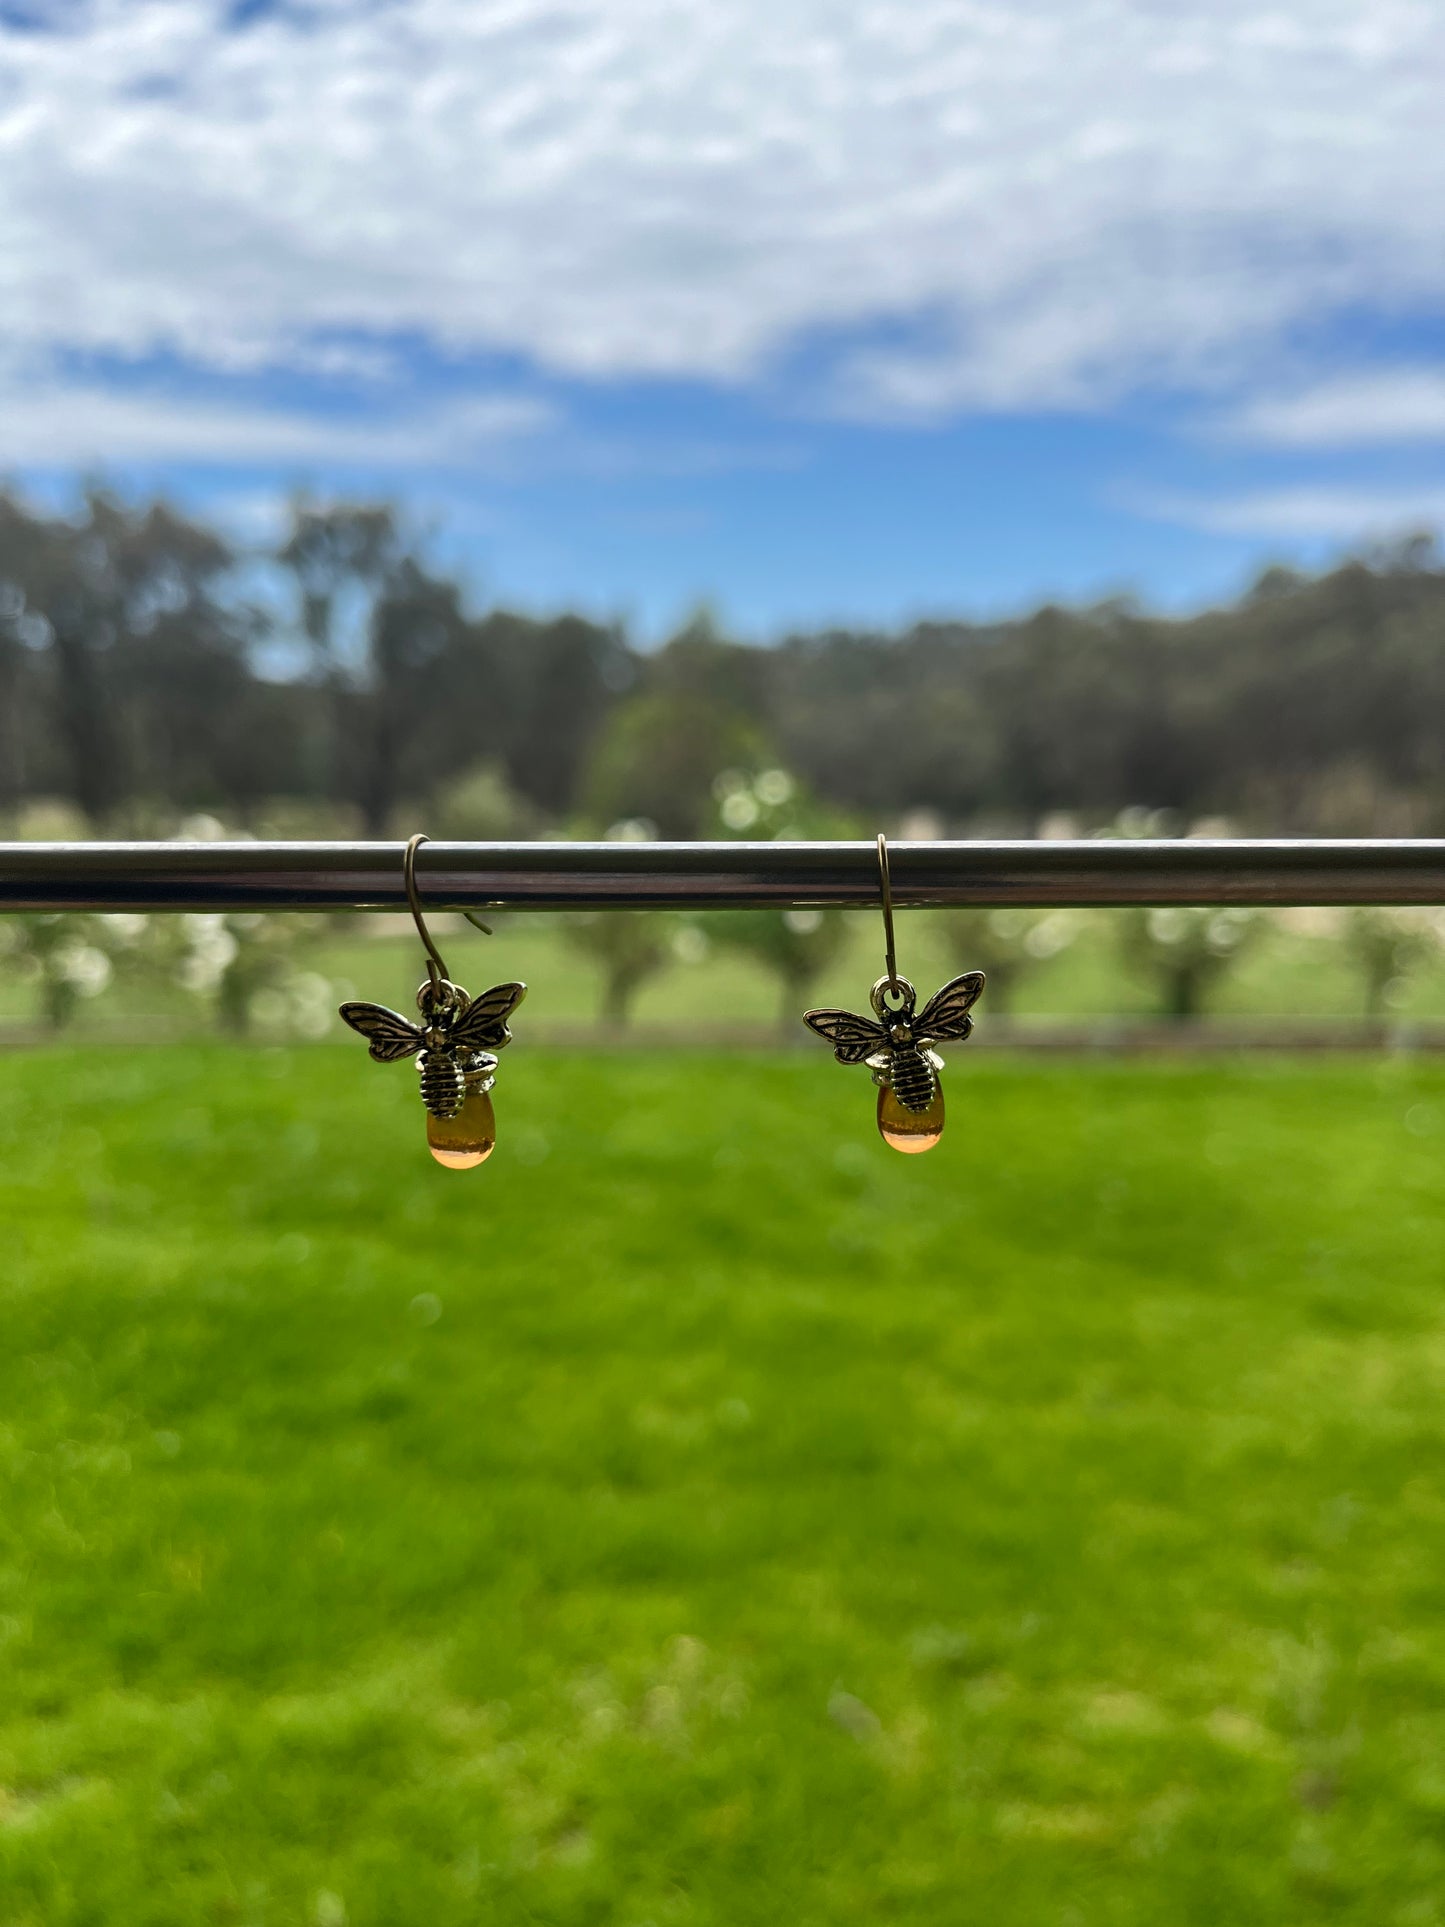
(148, 664)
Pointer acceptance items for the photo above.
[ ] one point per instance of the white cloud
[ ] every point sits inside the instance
(1390, 405)
(1079, 196)
(1323, 513)
(48, 424)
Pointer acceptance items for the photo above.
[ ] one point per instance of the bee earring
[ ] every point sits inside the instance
(898, 1048)
(456, 1039)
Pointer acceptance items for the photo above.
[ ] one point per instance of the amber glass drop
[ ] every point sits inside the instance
(466, 1140)
(909, 1130)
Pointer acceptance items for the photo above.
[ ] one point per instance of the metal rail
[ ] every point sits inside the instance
(712, 876)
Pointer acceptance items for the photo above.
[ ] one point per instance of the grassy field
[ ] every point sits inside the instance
(701, 1515)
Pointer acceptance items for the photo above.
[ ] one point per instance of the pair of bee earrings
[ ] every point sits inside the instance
(456, 1042)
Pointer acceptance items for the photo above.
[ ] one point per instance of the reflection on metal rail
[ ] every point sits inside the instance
(713, 876)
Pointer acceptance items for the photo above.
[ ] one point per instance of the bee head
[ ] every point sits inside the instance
(900, 1033)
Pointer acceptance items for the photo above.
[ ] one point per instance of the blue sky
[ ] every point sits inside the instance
(821, 314)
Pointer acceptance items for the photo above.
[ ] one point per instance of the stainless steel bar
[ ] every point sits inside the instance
(712, 876)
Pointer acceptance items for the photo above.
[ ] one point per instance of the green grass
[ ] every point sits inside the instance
(702, 1515)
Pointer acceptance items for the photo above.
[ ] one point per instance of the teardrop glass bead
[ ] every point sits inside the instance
(468, 1139)
(909, 1130)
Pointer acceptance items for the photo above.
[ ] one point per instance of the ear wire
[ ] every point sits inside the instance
(436, 968)
(885, 881)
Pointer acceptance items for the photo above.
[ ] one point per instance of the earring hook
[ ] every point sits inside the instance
(436, 968)
(886, 885)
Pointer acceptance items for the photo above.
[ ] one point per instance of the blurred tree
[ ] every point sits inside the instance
(62, 584)
(379, 625)
(16, 719)
(884, 723)
(261, 957)
(69, 959)
(147, 652)
(1387, 946)
(1184, 950)
(628, 947)
(1005, 944)
(242, 966)
(536, 694)
(659, 756)
(794, 946)
(479, 805)
(134, 670)
(341, 557)
(177, 642)
(416, 621)
(1257, 710)
(699, 661)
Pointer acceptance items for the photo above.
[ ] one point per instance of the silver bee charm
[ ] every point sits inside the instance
(456, 1038)
(455, 1045)
(898, 1049)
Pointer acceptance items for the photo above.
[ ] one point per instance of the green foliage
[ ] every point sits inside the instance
(703, 1515)
(134, 672)
(479, 805)
(123, 661)
(657, 759)
(381, 626)
(1307, 710)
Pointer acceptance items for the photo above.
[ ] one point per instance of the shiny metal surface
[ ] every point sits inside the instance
(711, 876)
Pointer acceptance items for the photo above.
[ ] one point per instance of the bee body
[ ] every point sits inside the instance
(443, 1085)
(911, 1076)
(446, 1078)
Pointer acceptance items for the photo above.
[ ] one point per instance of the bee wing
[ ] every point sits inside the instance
(853, 1038)
(391, 1036)
(483, 1024)
(946, 1012)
